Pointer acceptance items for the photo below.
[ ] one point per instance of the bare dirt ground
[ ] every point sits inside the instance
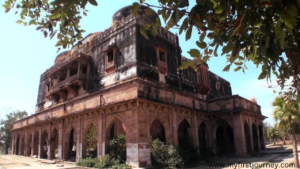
(21, 162)
(272, 158)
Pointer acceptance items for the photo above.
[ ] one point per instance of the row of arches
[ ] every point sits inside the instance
(223, 136)
(256, 136)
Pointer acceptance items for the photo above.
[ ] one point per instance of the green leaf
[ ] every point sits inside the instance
(238, 68)
(226, 68)
(19, 21)
(202, 36)
(201, 45)
(144, 32)
(238, 63)
(219, 10)
(188, 33)
(184, 25)
(93, 2)
(135, 8)
(262, 75)
(187, 64)
(194, 52)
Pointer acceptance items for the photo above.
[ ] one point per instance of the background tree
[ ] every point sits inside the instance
(272, 134)
(266, 127)
(287, 115)
(265, 32)
(7, 125)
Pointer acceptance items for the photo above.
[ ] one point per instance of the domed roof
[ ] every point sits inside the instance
(62, 56)
(126, 11)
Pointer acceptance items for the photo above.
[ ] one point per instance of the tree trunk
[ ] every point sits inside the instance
(295, 147)
(284, 139)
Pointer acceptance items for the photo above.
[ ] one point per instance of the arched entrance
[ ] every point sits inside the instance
(221, 146)
(116, 127)
(247, 137)
(185, 138)
(157, 131)
(54, 144)
(230, 140)
(255, 138)
(36, 144)
(22, 149)
(28, 152)
(17, 145)
(261, 138)
(44, 145)
(203, 139)
(90, 141)
(70, 144)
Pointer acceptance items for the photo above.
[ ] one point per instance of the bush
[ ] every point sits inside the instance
(115, 159)
(88, 162)
(164, 156)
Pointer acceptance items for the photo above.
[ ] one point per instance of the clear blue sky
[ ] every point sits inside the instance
(26, 54)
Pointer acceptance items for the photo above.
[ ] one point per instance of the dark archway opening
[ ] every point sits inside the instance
(36, 144)
(203, 136)
(230, 140)
(157, 131)
(185, 139)
(90, 141)
(17, 145)
(221, 146)
(44, 142)
(28, 153)
(70, 153)
(247, 137)
(261, 138)
(255, 138)
(116, 127)
(22, 148)
(54, 144)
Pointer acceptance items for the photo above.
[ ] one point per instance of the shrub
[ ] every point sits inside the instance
(164, 156)
(88, 162)
(117, 148)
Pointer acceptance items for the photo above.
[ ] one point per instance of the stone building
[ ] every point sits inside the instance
(122, 83)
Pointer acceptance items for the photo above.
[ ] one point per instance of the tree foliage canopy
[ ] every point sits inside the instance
(265, 32)
(7, 125)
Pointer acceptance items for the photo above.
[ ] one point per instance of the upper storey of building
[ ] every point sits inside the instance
(121, 54)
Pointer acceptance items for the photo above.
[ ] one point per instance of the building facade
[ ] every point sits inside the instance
(122, 83)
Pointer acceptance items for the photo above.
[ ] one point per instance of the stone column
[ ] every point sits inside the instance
(12, 144)
(79, 139)
(60, 138)
(40, 143)
(240, 137)
(175, 128)
(251, 136)
(100, 133)
(49, 142)
(32, 143)
(195, 130)
(132, 132)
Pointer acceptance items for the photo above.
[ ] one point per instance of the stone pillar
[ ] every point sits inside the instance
(49, 143)
(79, 67)
(60, 139)
(79, 139)
(175, 128)
(12, 144)
(195, 126)
(240, 137)
(100, 136)
(251, 136)
(132, 131)
(32, 143)
(40, 143)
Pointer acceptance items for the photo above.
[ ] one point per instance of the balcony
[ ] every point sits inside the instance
(67, 79)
